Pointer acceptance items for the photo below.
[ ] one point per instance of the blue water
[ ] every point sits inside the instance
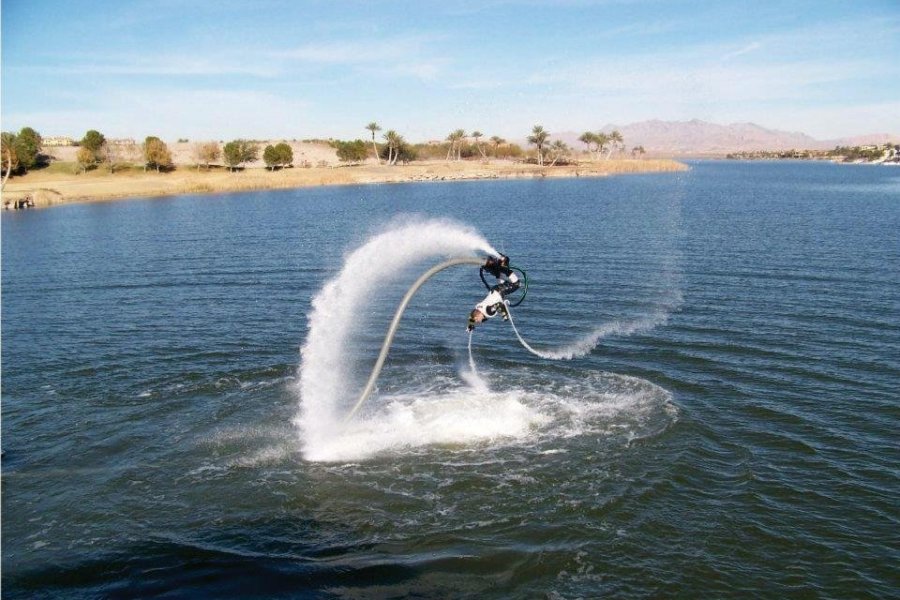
(745, 446)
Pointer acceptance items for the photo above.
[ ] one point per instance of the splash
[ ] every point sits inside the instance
(529, 410)
(323, 376)
(461, 411)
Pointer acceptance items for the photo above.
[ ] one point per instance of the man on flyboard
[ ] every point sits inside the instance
(495, 302)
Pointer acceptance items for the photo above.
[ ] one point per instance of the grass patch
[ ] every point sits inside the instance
(62, 167)
(57, 167)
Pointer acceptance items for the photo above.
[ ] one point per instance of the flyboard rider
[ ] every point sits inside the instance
(495, 302)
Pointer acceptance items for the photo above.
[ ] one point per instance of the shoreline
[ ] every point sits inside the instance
(55, 189)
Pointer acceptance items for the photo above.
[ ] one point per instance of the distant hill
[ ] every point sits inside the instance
(696, 137)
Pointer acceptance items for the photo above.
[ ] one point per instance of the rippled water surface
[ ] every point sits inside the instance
(734, 433)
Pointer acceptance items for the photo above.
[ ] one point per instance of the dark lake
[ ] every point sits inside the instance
(728, 429)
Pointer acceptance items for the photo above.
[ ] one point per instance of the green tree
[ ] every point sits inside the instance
(271, 157)
(354, 151)
(232, 154)
(539, 137)
(373, 127)
(397, 149)
(393, 140)
(156, 154)
(93, 140)
(28, 148)
(285, 154)
(238, 152)
(406, 153)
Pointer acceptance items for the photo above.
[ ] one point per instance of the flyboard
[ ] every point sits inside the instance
(395, 323)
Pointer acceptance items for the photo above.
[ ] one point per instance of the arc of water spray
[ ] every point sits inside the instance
(389, 338)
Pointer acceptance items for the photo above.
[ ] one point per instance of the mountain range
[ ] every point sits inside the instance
(696, 137)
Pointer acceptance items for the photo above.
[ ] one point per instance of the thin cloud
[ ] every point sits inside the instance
(361, 51)
(173, 113)
(414, 56)
(172, 66)
(751, 47)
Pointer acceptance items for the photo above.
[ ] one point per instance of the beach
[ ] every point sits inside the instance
(315, 165)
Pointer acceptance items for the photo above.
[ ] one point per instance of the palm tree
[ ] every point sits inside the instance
(539, 137)
(587, 138)
(451, 137)
(616, 138)
(373, 127)
(558, 149)
(477, 135)
(399, 143)
(497, 141)
(455, 138)
(395, 142)
(391, 138)
(638, 150)
(601, 139)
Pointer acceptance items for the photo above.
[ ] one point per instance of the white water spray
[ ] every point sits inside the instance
(471, 376)
(458, 415)
(323, 376)
(583, 346)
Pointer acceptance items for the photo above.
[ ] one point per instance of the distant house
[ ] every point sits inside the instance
(57, 140)
(122, 142)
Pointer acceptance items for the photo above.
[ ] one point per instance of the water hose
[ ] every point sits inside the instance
(389, 338)
(524, 285)
(525, 344)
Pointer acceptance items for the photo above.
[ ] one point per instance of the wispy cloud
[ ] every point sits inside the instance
(647, 76)
(414, 55)
(499, 65)
(787, 65)
(160, 65)
(751, 47)
(172, 113)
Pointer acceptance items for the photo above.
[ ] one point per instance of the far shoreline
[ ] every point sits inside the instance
(54, 189)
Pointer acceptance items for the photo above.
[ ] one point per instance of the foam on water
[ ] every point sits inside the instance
(543, 411)
(459, 417)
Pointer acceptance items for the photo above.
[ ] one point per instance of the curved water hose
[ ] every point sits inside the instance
(386, 346)
(524, 285)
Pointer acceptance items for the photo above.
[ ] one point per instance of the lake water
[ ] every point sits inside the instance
(731, 430)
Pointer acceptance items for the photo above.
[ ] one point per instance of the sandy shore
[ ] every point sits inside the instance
(48, 189)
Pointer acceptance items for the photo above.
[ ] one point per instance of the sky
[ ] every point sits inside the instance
(301, 69)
